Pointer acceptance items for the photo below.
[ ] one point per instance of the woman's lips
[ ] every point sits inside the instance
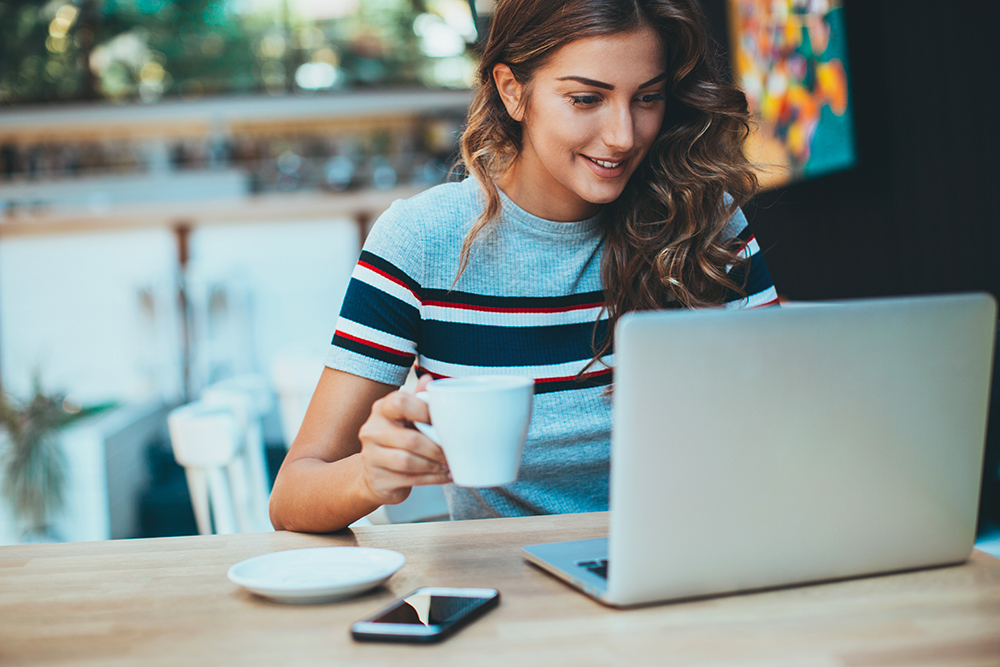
(605, 167)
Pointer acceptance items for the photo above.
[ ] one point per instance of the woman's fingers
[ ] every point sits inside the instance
(392, 471)
(391, 488)
(397, 456)
(406, 458)
(422, 383)
(402, 408)
(399, 435)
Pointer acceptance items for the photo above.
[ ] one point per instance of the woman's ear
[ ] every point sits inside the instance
(510, 90)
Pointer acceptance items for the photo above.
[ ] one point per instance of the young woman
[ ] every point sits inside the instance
(606, 176)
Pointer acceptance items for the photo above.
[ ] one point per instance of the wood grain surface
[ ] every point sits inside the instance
(168, 601)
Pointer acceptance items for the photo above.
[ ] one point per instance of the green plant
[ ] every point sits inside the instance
(33, 465)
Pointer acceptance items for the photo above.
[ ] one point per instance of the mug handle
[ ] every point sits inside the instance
(426, 429)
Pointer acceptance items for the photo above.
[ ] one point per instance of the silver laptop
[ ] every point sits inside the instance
(754, 449)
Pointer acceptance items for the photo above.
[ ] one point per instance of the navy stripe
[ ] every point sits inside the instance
(374, 308)
(758, 279)
(373, 352)
(480, 345)
(390, 269)
(514, 302)
(588, 382)
(745, 235)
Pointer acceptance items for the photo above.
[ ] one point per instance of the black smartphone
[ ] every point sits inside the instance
(426, 615)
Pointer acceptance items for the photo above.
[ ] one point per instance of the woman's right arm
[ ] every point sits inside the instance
(356, 450)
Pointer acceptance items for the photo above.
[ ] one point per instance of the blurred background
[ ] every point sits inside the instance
(185, 185)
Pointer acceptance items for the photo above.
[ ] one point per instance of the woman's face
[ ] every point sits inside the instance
(593, 111)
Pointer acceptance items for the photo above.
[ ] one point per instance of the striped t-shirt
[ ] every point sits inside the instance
(528, 304)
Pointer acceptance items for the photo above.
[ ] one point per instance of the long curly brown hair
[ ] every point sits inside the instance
(664, 243)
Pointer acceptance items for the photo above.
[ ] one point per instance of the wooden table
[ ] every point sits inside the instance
(168, 601)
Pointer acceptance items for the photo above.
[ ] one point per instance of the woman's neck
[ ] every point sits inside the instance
(530, 197)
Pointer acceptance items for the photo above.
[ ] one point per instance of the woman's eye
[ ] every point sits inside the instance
(585, 100)
(650, 98)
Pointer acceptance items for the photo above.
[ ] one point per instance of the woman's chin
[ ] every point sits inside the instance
(603, 195)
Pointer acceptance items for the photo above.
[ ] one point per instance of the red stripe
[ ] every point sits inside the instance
(573, 377)
(743, 247)
(388, 277)
(765, 305)
(437, 376)
(493, 309)
(489, 309)
(375, 345)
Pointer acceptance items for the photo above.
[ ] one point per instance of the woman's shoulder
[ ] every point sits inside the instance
(440, 211)
(736, 226)
(430, 224)
(441, 201)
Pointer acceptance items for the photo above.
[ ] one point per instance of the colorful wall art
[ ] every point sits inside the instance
(790, 58)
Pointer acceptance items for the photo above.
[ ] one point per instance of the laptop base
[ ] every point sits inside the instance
(566, 560)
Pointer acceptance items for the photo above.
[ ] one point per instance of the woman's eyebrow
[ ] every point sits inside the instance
(587, 82)
(607, 86)
(655, 79)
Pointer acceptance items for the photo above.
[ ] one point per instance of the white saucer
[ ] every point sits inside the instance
(316, 575)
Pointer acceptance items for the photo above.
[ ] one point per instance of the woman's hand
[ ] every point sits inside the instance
(396, 457)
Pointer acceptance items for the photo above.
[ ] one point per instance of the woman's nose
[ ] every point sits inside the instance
(619, 131)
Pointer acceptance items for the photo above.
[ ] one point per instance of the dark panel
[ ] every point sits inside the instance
(917, 214)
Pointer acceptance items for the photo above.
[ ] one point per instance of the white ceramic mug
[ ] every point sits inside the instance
(480, 422)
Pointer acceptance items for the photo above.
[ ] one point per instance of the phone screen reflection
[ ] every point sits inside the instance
(428, 610)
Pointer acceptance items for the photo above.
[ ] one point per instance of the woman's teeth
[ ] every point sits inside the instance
(605, 163)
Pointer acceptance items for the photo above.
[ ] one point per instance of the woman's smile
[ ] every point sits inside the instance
(607, 168)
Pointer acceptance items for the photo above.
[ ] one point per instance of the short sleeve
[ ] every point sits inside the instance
(752, 275)
(378, 330)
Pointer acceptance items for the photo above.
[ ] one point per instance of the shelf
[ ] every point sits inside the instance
(179, 119)
(362, 206)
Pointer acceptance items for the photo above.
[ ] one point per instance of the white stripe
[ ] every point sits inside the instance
(568, 369)
(376, 336)
(750, 249)
(754, 300)
(496, 319)
(380, 282)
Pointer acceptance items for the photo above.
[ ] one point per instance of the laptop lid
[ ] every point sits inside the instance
(759, 448)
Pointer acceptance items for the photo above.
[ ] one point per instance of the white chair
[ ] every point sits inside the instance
(255, 385)
(247, 400)
(206, 442)
(295, 375)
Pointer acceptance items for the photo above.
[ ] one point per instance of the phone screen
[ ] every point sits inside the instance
(426, 614)
(427, 609)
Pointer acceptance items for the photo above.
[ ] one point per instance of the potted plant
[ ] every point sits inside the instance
(32, 464)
